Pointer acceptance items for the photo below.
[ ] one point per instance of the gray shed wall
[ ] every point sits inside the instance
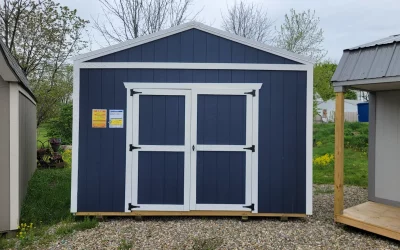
(27, 144)
(386, 184)
(4, 155)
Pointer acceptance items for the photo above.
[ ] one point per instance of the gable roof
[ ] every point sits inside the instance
(377, 60)
(187, 26)
(14, 66)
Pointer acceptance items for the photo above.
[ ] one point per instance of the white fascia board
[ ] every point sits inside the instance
(141, 85)
(199, 26)
(206, 66)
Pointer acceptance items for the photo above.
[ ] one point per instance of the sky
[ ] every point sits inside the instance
(346, 23)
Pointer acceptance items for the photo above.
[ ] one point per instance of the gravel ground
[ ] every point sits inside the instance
(315, 232)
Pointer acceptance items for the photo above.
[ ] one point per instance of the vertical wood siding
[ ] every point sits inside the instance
(220, 177)
(194, 46)
(282, 134)
(27, 144)
(161, 178)
(161, 120)
(221, 120)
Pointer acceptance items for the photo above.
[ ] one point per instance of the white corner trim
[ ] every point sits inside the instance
(14, 156)
(198, 86)
(199, 26)
(75, 139)
(309, 143)
(226, 66)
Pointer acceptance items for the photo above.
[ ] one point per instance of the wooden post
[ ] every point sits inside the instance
(339, 154)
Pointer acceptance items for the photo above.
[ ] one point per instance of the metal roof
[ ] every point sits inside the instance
(386, 40)
(374, 60)
(13, 64)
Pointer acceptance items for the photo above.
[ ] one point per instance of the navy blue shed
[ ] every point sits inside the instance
(192, 120)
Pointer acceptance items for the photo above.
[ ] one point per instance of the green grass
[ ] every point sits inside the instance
(42, 135)
(355, 154)
(48, 198)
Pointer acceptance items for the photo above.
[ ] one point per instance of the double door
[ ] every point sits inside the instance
(192, 150)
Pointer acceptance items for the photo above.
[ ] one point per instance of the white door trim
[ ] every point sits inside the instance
(208, 87)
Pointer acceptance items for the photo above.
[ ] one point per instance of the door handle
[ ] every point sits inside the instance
(193, 147)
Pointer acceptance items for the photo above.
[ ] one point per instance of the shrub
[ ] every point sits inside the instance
(61, 126)
(323, 161)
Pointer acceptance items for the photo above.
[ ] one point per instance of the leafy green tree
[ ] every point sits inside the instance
(323, 73)
(300, 33)
(42, 36)
(61, 126)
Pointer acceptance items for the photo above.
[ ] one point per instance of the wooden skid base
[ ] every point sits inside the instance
(188, 213)
(373, 217)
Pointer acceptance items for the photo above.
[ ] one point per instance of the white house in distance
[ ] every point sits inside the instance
(326, 110)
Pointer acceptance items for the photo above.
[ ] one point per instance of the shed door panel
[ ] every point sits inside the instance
(221, 177)
(161, 120)
(222, 165)
(221, 120)
(161, 157)
(161, 177)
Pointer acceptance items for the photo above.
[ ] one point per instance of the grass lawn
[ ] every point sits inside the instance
(42, 135)
(355, 154)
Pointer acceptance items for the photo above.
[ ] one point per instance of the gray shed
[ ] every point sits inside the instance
(373, 67)
(17, 139)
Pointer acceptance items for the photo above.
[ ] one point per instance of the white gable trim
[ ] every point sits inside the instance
(187, 26)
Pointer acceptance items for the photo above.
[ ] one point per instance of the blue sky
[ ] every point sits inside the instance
(346, 23)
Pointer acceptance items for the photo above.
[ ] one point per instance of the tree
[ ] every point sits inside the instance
(301, 34)
(42, 36)
(248, 20)
(128, 19)
(323, 73)
(51, 101)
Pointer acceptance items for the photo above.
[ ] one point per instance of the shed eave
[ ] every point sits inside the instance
(190, 25)
(367, 81)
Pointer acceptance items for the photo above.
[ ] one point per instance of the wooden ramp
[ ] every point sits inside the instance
(373, 217)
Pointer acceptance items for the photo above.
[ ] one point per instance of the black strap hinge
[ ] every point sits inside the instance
(252, 148)
(134, 92)
(253, 93)
(131, 147)
(250, 206)
(130, 206)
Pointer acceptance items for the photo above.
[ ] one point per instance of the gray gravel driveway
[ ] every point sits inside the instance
(315, 232)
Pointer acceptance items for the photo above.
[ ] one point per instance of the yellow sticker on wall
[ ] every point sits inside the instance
(99, 118)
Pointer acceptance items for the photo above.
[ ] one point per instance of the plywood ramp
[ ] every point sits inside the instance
(187, 213)
(373, 217)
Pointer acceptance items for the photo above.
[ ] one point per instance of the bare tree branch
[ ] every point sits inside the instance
(127, 19)
(248, 20)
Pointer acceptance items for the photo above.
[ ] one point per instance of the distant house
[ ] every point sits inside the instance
(326, 110)
(17, 139)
